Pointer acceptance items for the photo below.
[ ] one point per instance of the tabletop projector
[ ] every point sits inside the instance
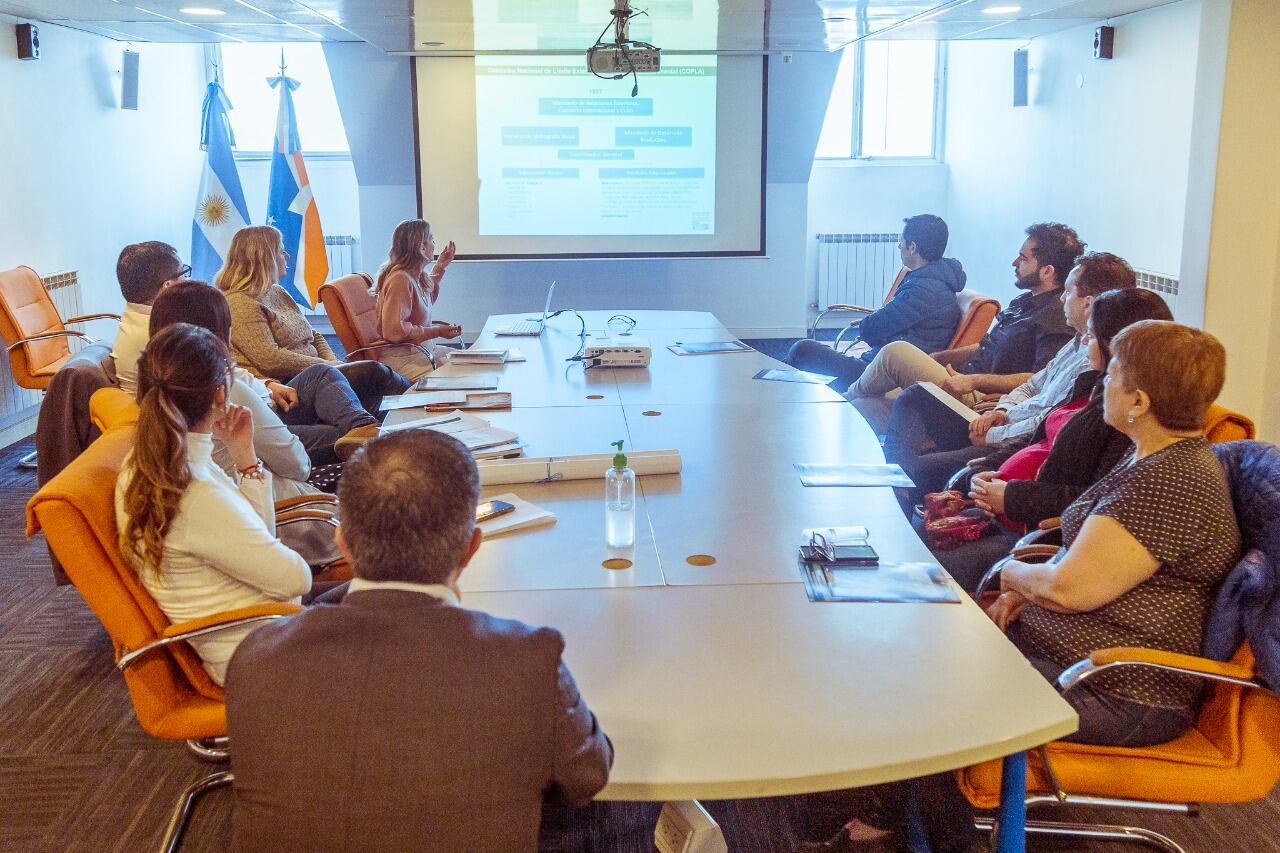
(616, 351)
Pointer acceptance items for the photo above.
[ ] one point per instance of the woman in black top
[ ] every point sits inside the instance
(1085, 449)
(1143, 550)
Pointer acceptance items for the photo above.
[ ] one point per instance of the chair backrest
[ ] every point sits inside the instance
(353, 311)
(893, 289)
(1221, 425)
(976, 313)
(26, 310)
(172, 694)
(112, 408)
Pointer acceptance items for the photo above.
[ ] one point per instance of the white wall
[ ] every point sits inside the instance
(851, 196)
(82, 177)
(1104, 145)
(753, 296)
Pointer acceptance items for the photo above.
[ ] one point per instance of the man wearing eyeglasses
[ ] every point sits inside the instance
(143, 270)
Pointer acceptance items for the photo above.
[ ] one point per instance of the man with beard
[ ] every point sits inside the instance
(1026, 335)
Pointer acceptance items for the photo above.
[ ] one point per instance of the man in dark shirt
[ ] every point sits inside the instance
(398, 719)
(923, 310)
(1026, 335)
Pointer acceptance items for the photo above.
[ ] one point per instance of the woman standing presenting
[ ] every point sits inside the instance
(406, 291)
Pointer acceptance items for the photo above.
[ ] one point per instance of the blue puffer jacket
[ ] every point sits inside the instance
(1248, 603)
(923, 312)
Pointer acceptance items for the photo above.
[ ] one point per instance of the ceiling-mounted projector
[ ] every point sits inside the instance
(620, 59)
(622, 56)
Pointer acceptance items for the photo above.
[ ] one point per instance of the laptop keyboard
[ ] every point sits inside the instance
(523, 327)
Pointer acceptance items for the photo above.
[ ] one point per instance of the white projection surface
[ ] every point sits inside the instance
(532, 156)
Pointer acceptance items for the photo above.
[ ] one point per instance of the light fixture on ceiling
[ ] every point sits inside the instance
(1002, 10)
(203, 11)
(433, 44)
(835, 20)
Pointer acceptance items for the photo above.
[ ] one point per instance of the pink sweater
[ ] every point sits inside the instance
(404, 310)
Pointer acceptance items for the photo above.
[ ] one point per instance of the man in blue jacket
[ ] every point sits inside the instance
(923, 311)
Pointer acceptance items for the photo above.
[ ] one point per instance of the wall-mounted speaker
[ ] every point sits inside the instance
(129, 81)
(1021, 73)
(28, 41)
(1104, 42)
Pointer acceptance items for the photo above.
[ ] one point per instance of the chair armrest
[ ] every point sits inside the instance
(1047, 529)
(301, 501)
(813, 329)
(1119, 656)
(293, 516)
(61, 333)
(351, 356)
(1033, 553)
(952, 357)
(206, 625)
(84, 318)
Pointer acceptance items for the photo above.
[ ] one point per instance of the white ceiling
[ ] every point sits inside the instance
(570, 25)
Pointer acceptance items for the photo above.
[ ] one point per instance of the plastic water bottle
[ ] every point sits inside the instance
(619, 502)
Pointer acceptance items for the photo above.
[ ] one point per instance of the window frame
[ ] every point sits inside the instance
(856, 157)
(213, 63)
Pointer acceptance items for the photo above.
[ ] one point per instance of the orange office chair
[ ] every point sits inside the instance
(353, 311)
(34, 333)
(173, 697)
(111, 409)
(1230, 755)
(841, 307)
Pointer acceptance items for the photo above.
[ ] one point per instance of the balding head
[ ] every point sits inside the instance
(407, 504)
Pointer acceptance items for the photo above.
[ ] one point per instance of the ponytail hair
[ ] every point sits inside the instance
(179, 375)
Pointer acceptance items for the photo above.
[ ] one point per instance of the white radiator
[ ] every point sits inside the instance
(1166, 286)
(341, 251)
(18, 404)
(856, 269)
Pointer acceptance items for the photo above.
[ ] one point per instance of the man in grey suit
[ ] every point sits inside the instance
(397, 720)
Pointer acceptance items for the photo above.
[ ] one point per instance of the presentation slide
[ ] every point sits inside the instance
(561, 154)
(531, 156)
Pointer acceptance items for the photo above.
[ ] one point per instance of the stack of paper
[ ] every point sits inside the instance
(480, 437)
(591, 466)
(471, 382)
(478, 355)
(708, 347)
(446, 400)
(524, 516)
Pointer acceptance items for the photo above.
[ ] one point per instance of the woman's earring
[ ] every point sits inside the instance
(1130, 418)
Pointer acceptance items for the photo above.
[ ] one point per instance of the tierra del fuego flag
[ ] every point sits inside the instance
(220, 208)
(290, 207)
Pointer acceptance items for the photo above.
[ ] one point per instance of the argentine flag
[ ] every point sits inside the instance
(290, 207)
(220, 207)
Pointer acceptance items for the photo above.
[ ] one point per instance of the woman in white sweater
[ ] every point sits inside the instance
(202, 542)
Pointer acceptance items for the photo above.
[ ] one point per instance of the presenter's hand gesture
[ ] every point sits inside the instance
(446, 256)
(233, 426)
(445, 330)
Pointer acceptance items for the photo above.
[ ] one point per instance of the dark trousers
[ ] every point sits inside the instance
(329, 404)
(921, 427)
(946, 814)
(813, 357)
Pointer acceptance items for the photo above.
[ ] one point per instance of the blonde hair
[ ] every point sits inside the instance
(251, 262)
(1180, 368)
(406, 256)
(179, 374)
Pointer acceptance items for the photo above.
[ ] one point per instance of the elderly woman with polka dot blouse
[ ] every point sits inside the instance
(1144, 550)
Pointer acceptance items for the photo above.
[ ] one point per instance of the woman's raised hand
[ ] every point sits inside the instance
(234, 428)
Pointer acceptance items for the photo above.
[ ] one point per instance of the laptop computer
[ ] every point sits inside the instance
(529, 328)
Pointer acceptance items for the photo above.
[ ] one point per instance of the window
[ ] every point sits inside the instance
(246, 68)
(884, 102)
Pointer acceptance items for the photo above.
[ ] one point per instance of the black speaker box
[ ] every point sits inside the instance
(28, 41)
(1104, 42)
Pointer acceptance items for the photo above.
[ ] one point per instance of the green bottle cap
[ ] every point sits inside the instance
(619, 459)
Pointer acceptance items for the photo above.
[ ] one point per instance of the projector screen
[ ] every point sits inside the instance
(532, 156)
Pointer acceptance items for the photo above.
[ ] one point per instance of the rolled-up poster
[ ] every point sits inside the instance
(590, 466)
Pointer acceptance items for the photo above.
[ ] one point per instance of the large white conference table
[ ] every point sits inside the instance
(707, 665)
